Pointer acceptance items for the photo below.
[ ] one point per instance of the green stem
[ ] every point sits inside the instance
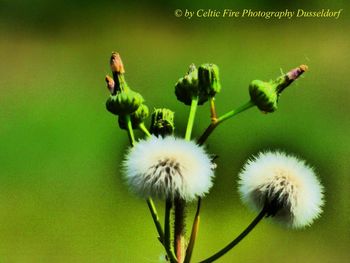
(221, 119)
(179, 229)
(167, 238)
(156, 221)
(246, 231)
(194, 233)
(130, 130)
(143, 128)
(191, 117)
(234, 112)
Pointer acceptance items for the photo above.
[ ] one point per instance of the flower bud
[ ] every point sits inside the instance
(186, 88)
(265, 95)
(162, 122)
(208, 79)
(136, 118)
(110, 85)
(124, 102)
(116, 63)
(118, 71)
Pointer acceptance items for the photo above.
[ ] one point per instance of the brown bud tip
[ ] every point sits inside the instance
(303, 68)
(117, 63)
(110, 84)
(295, 73)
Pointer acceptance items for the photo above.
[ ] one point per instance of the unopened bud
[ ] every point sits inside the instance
(124, 102)
(162, 122)
(265, 95)
(186, 88)
(208, 79)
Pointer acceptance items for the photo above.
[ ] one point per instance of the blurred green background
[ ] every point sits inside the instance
(62, 197)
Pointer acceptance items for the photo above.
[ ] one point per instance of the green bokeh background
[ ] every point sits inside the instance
(62, 197)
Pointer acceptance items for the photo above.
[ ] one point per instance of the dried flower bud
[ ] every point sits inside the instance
(208, 79)
(110, 85)
(162, 122)
(118, 71)
(124, 102)
(116, 63)
(265, 95)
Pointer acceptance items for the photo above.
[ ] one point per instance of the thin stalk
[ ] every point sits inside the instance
(191, 117)
(155, 218)
(246, 231)
(213, 115)
(143, 128)
(221, 119)
(167, 237)
(179, 229)
(130, 130)
(194, 233)
(207, 132)
(149, 200)
(234, 112)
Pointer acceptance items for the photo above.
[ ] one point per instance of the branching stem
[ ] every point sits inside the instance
(143, 128)
(221, 119)
(130, 130)
(245, 232)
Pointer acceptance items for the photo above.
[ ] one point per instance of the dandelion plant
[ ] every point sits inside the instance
(178, 171)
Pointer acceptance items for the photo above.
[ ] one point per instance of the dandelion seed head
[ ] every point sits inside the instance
(168, 167)
(287, 185)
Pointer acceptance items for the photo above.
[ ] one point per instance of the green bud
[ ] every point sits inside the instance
(208, 79)
(136, 118)
(124, 102)
(162, 122)
(186, 88)
(265, 95)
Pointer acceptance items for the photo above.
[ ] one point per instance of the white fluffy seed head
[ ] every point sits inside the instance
(167, 168)
(284, 183)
